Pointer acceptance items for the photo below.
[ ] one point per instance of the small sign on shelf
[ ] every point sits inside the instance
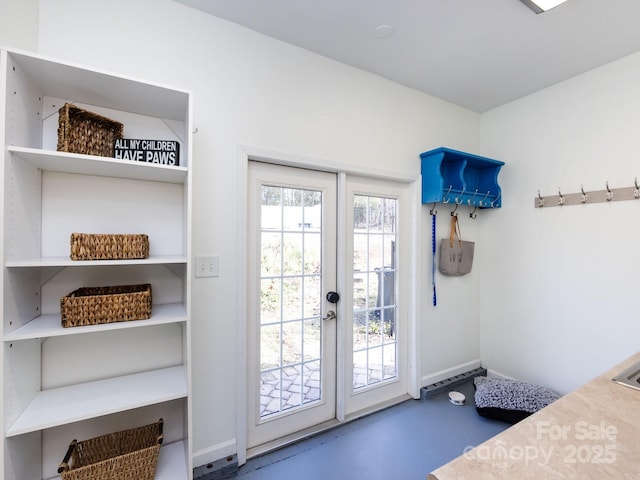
(162, 152)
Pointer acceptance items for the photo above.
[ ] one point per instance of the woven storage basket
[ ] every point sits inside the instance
(97, 305)
(105, 246)
(81, 131)
(129, 454)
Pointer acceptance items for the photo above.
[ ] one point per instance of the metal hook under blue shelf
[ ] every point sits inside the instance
(485, 197)
(470, 201)
(446, 198)
(496, 199)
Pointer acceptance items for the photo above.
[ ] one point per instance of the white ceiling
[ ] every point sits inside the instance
(478, 54)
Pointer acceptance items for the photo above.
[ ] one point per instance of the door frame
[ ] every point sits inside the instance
(246, 154)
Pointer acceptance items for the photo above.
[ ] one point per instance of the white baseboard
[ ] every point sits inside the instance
(495, 373)
(449, 373)
(213, 453)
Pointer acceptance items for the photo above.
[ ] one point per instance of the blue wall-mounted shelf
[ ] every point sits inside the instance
(450, 176)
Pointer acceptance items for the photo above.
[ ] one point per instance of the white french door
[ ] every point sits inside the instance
(311, 361)
(291, 330)
(377, 294)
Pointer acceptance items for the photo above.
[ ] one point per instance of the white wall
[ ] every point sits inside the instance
(562, 303)
(450, 330)
(255, 91)
(19, 24)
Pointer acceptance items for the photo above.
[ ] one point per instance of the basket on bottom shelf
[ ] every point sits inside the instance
(130, 454)
(97, 305)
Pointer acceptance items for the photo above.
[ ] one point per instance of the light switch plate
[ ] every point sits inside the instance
(208, 266)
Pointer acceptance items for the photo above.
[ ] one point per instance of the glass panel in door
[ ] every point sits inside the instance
(290, 293)
(374, 290)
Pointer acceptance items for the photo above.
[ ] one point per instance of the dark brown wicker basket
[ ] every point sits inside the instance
(97, 305)
(129, 454)
(106, 246)
(81, 131)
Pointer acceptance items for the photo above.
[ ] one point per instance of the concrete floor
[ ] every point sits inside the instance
(404, 442)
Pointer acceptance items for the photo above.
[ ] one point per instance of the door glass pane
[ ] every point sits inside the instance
(374, 290)
(292, 298)
(271, 261)
(312, 293)
(311, 382)
(291, 273)
(270, 308)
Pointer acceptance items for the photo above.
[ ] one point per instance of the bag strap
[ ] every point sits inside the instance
(455, 231)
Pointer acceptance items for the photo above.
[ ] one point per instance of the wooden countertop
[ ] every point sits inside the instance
(590, 433)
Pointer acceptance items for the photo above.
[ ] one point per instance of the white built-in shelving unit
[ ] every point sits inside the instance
(64, 383)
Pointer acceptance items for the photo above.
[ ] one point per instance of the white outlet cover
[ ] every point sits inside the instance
(207, 266)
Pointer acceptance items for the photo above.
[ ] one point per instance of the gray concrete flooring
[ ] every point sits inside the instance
(404, 442)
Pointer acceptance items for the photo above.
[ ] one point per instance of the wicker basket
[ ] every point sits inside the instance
(129, 454)
(105, 246)
(81, 131)
(97, 305)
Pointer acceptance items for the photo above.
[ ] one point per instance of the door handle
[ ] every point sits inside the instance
(331, 315)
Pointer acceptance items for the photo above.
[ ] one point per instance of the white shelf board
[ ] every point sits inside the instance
(49, 325)
(67, 262)
(100, 166)
(64, 405)
(89, 85)
(172, 464)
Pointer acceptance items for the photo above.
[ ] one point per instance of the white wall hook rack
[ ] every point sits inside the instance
(583, 198)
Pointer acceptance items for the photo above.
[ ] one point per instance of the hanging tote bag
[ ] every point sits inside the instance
(456, 255)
